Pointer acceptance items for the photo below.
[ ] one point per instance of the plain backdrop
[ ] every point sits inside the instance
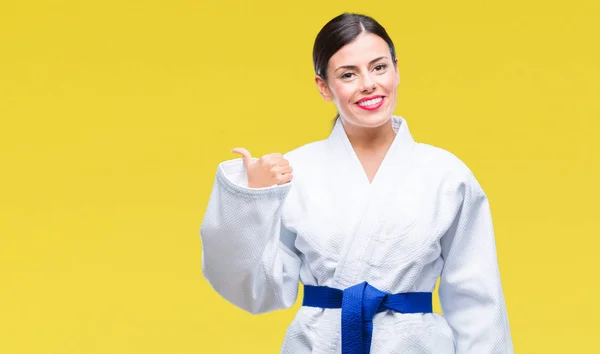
(115, 114)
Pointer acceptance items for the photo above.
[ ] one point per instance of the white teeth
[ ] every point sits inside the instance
(370, 102)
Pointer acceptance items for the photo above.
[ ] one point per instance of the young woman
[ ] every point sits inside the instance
(367, 220)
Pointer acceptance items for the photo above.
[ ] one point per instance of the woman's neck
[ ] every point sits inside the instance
(368, 139)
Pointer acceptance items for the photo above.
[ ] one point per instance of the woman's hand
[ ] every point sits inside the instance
(267, 171)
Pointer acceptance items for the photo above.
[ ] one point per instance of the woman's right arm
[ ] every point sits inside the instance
(243, 257)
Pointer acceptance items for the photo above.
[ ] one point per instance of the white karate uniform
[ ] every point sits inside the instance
(424, 216)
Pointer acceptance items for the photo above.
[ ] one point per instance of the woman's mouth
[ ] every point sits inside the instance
(370, 104)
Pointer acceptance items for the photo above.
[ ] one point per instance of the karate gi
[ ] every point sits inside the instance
(424, 216)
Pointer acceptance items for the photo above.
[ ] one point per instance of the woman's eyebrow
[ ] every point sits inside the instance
(354, 66)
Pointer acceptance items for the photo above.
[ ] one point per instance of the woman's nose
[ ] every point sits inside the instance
(367, 84)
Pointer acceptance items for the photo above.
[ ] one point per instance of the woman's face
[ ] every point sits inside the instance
(362, 81)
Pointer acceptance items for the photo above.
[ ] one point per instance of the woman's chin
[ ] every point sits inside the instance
(371, 120)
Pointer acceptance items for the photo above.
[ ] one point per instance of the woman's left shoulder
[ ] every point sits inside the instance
(438, 158)
(444, 164)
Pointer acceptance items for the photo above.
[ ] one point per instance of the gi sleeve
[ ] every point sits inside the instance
(244, 253)
(470, 289)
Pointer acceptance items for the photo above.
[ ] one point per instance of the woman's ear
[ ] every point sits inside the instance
(323, 88)
(397, 71)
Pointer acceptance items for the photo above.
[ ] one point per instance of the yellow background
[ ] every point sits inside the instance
(115, 114)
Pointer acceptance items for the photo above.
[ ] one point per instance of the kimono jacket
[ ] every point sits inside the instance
(423, 217)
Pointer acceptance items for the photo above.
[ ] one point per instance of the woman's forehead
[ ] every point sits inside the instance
(361, 51)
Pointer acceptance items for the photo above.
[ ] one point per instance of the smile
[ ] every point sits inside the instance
(371, 104)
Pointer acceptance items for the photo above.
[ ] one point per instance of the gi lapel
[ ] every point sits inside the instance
(349, 270)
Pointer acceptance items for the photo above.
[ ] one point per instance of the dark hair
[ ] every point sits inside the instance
(340, 31)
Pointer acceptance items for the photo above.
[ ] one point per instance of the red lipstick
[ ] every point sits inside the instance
(370, 107)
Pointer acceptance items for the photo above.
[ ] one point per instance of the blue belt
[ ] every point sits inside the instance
(359, 304)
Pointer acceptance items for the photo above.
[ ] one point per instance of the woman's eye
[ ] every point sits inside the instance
(380, 67)
(347, 75)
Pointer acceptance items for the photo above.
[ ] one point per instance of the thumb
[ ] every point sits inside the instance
(245, 155)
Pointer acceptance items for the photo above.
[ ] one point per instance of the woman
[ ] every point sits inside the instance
(367, 220)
